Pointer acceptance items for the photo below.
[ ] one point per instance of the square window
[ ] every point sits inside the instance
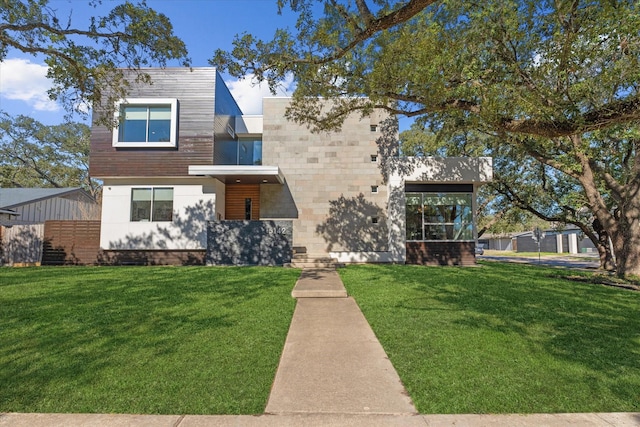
(151, 204)
(374, 188)
(373, 128)
(374, 158)
(374, 220)
(146, 122)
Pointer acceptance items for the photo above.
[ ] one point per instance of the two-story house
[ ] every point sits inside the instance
(184, 157)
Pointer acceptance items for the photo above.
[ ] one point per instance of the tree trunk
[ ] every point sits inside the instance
(623, 226)
(626, 242)
(604, 248)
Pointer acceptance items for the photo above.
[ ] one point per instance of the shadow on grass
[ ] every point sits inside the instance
(586, 334)
(145, 331)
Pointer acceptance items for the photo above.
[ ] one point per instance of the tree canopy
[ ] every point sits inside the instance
(85, 61)
(35, 155)
(552, 82)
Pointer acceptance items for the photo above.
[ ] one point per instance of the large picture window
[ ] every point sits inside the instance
(439, 216)
(146, 122)
(151, 204)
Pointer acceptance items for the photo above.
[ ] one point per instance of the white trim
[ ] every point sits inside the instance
(237, 170)
(363, 257)
(173, 141)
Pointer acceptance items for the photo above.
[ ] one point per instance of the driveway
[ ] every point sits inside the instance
(580, 261)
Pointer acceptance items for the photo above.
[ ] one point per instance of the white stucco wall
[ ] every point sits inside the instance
(195, 201)
(428, 170)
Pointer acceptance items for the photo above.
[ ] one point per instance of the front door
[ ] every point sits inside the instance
(242, 201)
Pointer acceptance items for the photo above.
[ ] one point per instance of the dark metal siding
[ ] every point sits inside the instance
(195, 91)
(438, 188)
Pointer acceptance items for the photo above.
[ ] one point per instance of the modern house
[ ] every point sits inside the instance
(187, 176)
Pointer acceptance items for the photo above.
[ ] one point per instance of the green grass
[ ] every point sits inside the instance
(157, 340)
(504, 338)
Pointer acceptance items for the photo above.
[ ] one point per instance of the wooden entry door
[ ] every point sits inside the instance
(242, 201)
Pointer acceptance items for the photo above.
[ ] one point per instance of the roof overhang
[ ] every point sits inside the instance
(9, 212)
(240, 174)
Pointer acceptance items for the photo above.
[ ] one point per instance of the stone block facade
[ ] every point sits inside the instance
(334, 192)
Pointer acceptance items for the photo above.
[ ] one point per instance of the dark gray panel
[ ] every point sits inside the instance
(249, 242)
(438, 188)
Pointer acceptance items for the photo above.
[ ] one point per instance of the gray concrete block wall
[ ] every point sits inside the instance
(329, 179)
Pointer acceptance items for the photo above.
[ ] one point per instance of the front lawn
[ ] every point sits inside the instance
(157, 340)
(503, 338)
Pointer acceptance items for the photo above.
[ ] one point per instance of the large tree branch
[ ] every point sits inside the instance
(59, 31)
(622, 111)
(373, 25)
(497, 217)
(617, 112)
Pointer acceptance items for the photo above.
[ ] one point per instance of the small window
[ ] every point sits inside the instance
(146, 122)
(151, 204)
(374, 220)
(373, 128)
(374, 188)
(374, 158)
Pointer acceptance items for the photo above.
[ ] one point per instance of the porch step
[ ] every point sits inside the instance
(304, 260)
(319, 283)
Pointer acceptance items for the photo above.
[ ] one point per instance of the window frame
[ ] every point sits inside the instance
(147, 102)
(465, 225)
(152, 201)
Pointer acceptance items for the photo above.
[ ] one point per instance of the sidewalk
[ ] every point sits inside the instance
(333, 372)
(320, 420)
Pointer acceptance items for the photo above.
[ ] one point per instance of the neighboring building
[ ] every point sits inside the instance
(570, 240)
(185, 172)
(37, 205)
(8, 216)
(496, 242)
(24, 212)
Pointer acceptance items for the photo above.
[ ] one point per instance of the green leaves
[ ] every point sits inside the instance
(35, 155)
(84, 62)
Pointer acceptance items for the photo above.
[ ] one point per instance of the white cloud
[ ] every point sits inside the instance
(248, 93)
(23, 80)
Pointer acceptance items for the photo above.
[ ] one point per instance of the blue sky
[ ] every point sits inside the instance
(204, 25)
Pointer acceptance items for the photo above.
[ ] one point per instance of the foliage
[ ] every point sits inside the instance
(503, 338)
(148, 340)
(547, 80)
(35, 155)
(511, 65)
(85, 62)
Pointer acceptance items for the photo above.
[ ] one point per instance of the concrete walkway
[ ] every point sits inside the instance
(332, 362)
(333, 372)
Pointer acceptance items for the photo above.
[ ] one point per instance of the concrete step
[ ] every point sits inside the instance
(319, 283)
(304, 260)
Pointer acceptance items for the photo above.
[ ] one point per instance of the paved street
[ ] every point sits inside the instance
(580, 261)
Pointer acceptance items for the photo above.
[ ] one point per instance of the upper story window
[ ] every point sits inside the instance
(146, 122)
(244, 151)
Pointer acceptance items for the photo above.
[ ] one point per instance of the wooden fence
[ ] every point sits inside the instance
(71, 242)
(21, 244)
(78, 243)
